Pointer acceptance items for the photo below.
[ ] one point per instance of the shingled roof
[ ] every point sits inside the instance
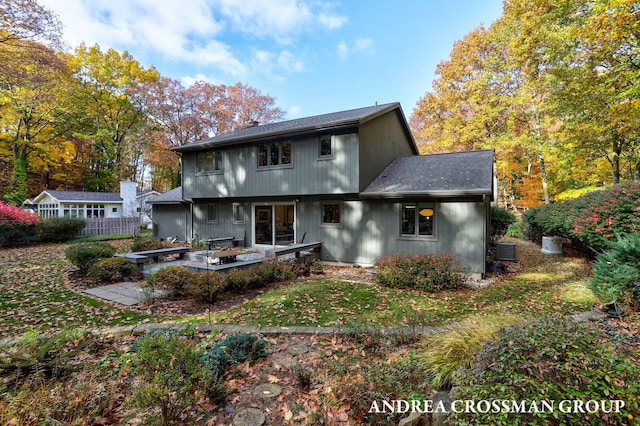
(353, 117)
(173, 196)
(435, 176)
(102, 197)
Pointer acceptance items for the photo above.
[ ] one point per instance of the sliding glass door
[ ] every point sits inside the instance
(274, 224)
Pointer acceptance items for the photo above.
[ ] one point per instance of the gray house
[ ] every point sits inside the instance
(352, 180)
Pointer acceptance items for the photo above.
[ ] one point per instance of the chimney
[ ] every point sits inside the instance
(253, 123)
(128, 193)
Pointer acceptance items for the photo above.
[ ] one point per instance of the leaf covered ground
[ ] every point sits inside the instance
(33, 295)
(324, 379)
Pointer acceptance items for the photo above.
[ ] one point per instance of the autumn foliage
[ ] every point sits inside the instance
(594, 219)
(17, 226)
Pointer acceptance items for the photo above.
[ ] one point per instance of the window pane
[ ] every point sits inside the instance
(209, 162)
(286, 153)
(331, 213)
(408, 219)
(238, 213)
(325, 146)
(262, 155)
(425, 225)
(201, 161)
(211, 213)
(274, 154)
(217, 160)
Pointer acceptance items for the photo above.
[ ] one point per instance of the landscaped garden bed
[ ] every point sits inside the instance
(332, 379)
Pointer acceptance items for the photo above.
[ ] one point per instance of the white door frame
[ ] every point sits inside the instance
(273, 222)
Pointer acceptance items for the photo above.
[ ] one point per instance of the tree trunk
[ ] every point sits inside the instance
(543, 178)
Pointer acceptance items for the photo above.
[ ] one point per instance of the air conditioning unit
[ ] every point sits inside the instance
(506, 251)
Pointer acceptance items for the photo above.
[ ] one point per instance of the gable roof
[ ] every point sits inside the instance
(316, 123)
(62, 196)
(173, 196)
(435, 176)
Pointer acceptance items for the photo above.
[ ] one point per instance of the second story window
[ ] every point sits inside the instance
(274, 154)
(326, 146)
(209, 161)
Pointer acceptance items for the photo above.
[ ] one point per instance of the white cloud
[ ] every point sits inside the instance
(280, 19)
(332, 22)
(202, 32)
(360, 45)
(189, 80)
(287, 61)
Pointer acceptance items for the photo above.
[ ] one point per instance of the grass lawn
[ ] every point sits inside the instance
(33, 295)
(545, 284)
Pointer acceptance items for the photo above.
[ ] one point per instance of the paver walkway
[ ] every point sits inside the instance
(126, 293)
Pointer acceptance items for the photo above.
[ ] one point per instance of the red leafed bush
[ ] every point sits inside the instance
(17, 226)
(595, 219)
(432, 272)
(12, 214)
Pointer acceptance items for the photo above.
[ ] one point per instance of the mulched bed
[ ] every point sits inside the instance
(188, 306)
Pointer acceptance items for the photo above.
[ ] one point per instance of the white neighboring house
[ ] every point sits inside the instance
(89, 205)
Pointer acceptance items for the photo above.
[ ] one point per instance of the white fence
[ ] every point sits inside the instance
(111, 226)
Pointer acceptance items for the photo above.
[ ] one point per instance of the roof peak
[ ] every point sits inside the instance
(303, 124)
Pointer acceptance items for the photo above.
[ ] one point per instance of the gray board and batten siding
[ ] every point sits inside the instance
(368, 229)
(374, 167)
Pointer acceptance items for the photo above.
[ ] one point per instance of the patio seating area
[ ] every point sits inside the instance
(220, 259)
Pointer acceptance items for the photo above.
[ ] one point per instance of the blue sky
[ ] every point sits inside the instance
(312, 56)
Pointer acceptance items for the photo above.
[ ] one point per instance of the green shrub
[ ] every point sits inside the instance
(172, 374)
(500, 221)
(148, 243)
(206, 287)
(273, 271)
(432, 272)
(60, 229)
(84, 255)
(594, 219)
(552, 358)
(112, 269)
(444, 352)
(616, 272)
(233, 350)
(241, 279)
(173, 278)
(515, 230)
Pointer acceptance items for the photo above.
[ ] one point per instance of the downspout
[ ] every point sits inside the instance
(487, 232)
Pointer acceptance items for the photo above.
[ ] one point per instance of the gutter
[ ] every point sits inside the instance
(443, 193)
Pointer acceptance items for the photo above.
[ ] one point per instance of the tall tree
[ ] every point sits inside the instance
(25, 22)
(110, 98)
(224, 108)
(186, 115)
(596, 79)
(33, 81)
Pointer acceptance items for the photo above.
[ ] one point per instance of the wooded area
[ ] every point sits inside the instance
(553, 87)
(86, 120)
